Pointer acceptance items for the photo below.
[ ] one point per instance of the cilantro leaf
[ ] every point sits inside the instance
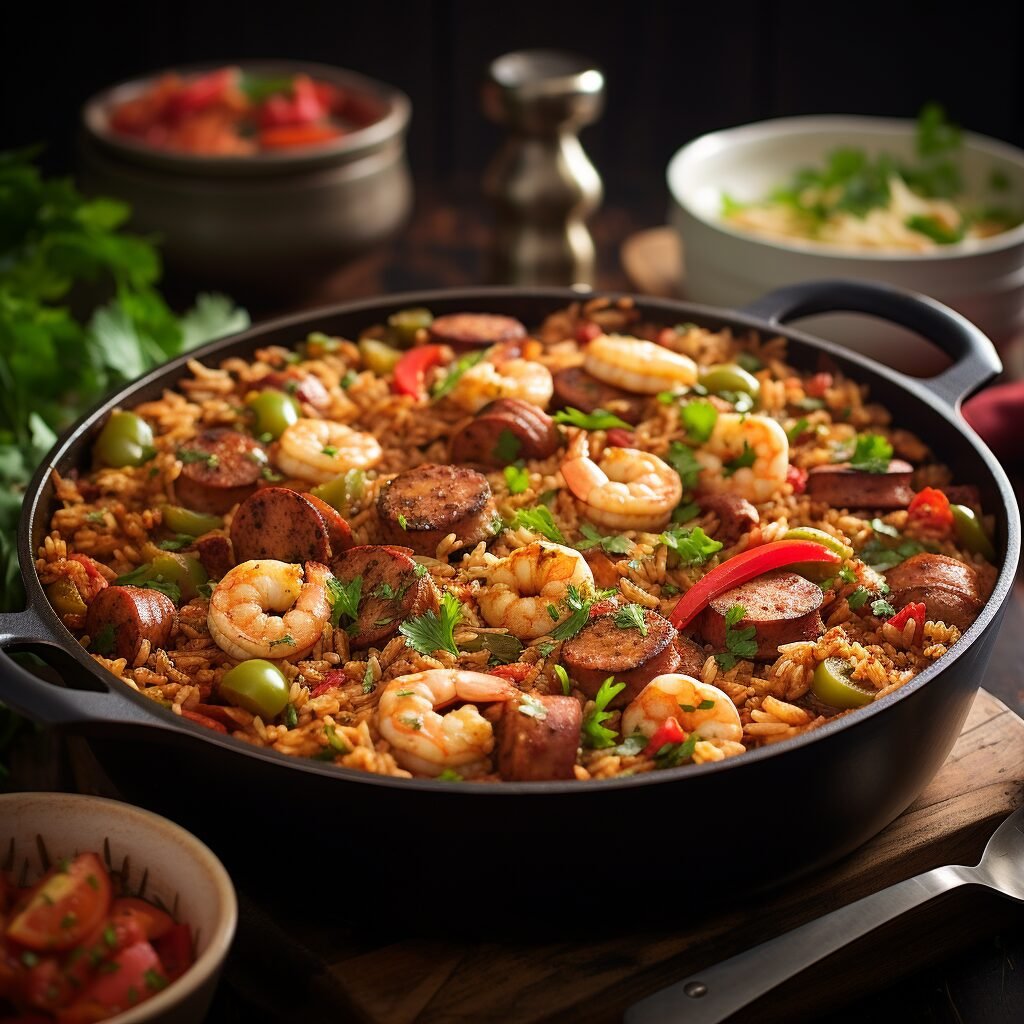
(615, 545)
(936, 230)
(872, 454)
(699, 419)
(882, 608)
(631, 616)
(454, 375)
(692, 546)
(595, 734)
(596, 420)
(508, 447)
(685, 512)
(684, 462)
(344, 598)
(434, 631)
(797, 429)
(579, 606)
(740, 643)
(672, 755)
(746, 458)
(517, 478)
(539, 520)
(858, 598)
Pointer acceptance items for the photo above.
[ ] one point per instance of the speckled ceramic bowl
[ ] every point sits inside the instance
(162, 862)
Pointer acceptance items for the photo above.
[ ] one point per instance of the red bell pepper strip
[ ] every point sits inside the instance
(194, 716)
(412, 368)
(745, 566)
(931, 507)
(917, 611)
(670, 731)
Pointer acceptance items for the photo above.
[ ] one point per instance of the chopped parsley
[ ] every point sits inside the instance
(286, 639)
(631, 616)
(858, 598)
(344, 598)
(291, 716)
(348, 380)
(880, 555)
(334, 741)
(517, 479)
(154, 980)
(68, 921)
(692, 546)
(176, 543)
(685, 512)
(563, 679)
(93, 882)
(539, 520)
(508, 447)
(579, 607)
(672, 755)
(797, 429)
(188, 455)
(455, 373)
(615, 545)
(206, 589)
(99, 517)
(545, 648)
(698, 419)
(704, 705)
(882, 608)
(403, 522)
(847, 575)
(414, 722)
(420, 570)
(872, 454)
(369, 683)
(384, 591)
(449, 775)
(532, 708)
(103, 641)
(739, 643)
(669, 589)
(684, 462)
(595, 734)
(599, 419)
(745, 459)
(329, 450)
(434, 631)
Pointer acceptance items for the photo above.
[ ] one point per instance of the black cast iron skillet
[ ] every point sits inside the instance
(766, 816)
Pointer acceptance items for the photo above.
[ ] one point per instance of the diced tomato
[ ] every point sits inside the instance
(152, 922)
(670, 731)
(587, 331)
(45, 987)
(204, 720)
(288, 136)
(513, 673)
(130, 977)
(201, 93)
(930, 507)
(411, 369)
(796, 477)
(917, 611)
(333, 677)
(819, 384)
(65, 906)
(620, 438)
(175, 951)
(303, 107)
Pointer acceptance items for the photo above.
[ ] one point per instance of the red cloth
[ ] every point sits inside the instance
(997, 414)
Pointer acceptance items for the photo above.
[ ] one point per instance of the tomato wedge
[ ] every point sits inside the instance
(412, 367)
(152, 921)
(175, 950)
(128, 978)
(745, 566)
(66, 906)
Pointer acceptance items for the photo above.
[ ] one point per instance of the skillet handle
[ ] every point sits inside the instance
(52, 705)
(974, 357)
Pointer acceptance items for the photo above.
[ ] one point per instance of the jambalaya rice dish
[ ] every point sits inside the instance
(457, 547)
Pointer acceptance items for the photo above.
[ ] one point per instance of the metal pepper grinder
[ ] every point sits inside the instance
(541, 182)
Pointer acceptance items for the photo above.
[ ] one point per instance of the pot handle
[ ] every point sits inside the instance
(53, 705)
(975, 361)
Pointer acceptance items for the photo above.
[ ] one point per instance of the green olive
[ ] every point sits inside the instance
(258, 686)
(971, 533)
(65, 598)
(826, 540)
(404, 325)
(184, 520)
(832, 685)
(275, 412)
(378, 355)
(344, 491)
(125, 440)
(729, 377)
(184, 570)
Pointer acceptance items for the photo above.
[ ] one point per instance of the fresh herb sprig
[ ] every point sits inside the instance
(739, 643)
(434, 631)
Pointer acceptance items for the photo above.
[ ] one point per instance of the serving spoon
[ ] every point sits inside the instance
(714, 994)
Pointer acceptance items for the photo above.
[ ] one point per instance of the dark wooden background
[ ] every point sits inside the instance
(674, 70)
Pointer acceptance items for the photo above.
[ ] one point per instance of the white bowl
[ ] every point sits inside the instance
(725, 266)
(180, 871)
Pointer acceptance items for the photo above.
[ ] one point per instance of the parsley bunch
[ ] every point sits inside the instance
(739, 643)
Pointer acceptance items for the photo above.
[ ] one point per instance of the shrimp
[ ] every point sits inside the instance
(320, 450)
(488, 381)
(523, 588)
(238, 618)
(745, 455)
(627, 490)
(638, 366)
(700, 709)
(424, 742)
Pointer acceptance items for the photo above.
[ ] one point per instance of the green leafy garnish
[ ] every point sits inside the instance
(503, 648)
(545, 648)
(368, 681)
(329, 450)
(797, 429)
(847, 575)
(872, 454)
(672, 755)
(334, 741)
(189, 455)
(740, 643)
(291, 716)
(691, 546)
(749, 362)
(434, 631)
(858, 598)
(936, 230)
(596, 420)
(517, 479)
(403, 522)
(595, 734)
(631, 616)
(579, 606)
(704, 705)
(882, 608)
(344, 598)
(348, 380)
(103, 641)
(154, 980)
(615, 545)
(684, 462)
(563, 679)
(454, 375)
(685, 512)
(99, 517)
(508, 447)
(698, 419)
(286, 639)
(261, 87)
(449, 775)
(746, 458)
(142, 577)
(539, 520)
(177, 542)
(384, 591)
(808, 404)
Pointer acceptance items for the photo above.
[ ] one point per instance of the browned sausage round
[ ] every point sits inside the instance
(276, 522)
(575, 387)
(304, 387)
(220, 468)
(736, 516)
(503, 432)
(542, 744)
(601, 649)
(691, 657)
(948, 588)
(422, 506)
(547, 438)
(120, 618)
(463, 330)
(841, 487)
(214, 551)
(781, 606)
(394, 589)
(339, 533)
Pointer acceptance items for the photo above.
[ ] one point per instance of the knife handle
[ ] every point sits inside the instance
(714, 994)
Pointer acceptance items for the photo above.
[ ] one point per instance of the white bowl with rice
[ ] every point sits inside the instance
(731, 261)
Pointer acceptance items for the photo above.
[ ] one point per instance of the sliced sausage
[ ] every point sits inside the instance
(736, 516)
(339, 533)
(691, 657)
(279, 523)
(576, 388)
(422, 506)
(542, 744)
(220, 468)
(781, 606)
(841, 487)
(394, 589)
(215, 553)
(120, 618)
(949, 589)
(464, 330)
(504, 431)
(601, 649)
(304, 387)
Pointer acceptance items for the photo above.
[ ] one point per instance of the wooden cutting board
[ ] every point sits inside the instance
(594, 974)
